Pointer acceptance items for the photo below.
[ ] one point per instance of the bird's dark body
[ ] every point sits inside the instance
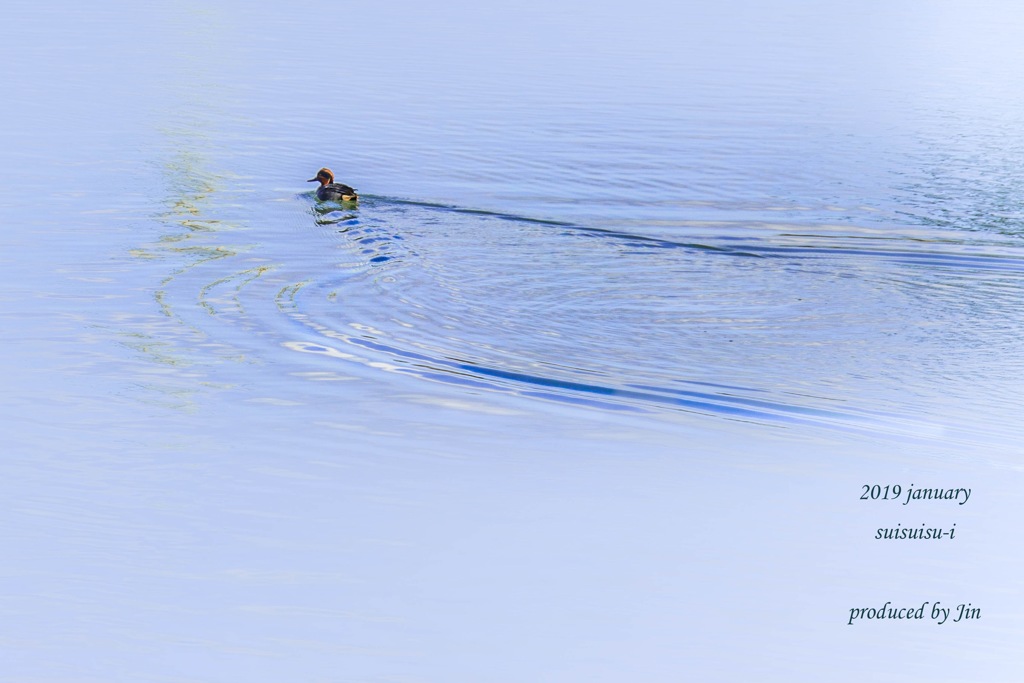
(330, 191)
(335, 192)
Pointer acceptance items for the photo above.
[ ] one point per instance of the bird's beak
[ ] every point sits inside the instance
(312, 180)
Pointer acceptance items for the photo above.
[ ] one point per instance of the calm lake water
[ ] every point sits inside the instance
(586, 388)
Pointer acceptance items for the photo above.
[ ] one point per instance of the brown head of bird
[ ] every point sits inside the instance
(324, 176)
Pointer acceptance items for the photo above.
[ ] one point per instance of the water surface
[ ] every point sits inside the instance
(585, 387)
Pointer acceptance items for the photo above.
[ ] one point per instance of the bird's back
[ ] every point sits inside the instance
(336, 191)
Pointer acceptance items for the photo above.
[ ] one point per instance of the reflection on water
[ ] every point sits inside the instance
(633, 303)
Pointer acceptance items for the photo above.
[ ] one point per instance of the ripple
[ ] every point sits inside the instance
(790, 325)
(786, 329)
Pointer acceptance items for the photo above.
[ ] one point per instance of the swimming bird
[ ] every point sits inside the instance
(330, 190)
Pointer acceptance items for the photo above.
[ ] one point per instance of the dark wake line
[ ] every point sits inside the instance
(987, 262)
(477, 376)
(641, 397)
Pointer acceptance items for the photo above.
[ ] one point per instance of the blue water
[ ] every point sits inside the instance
(585, 388)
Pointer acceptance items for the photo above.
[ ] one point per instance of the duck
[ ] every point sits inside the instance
(330, 190)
